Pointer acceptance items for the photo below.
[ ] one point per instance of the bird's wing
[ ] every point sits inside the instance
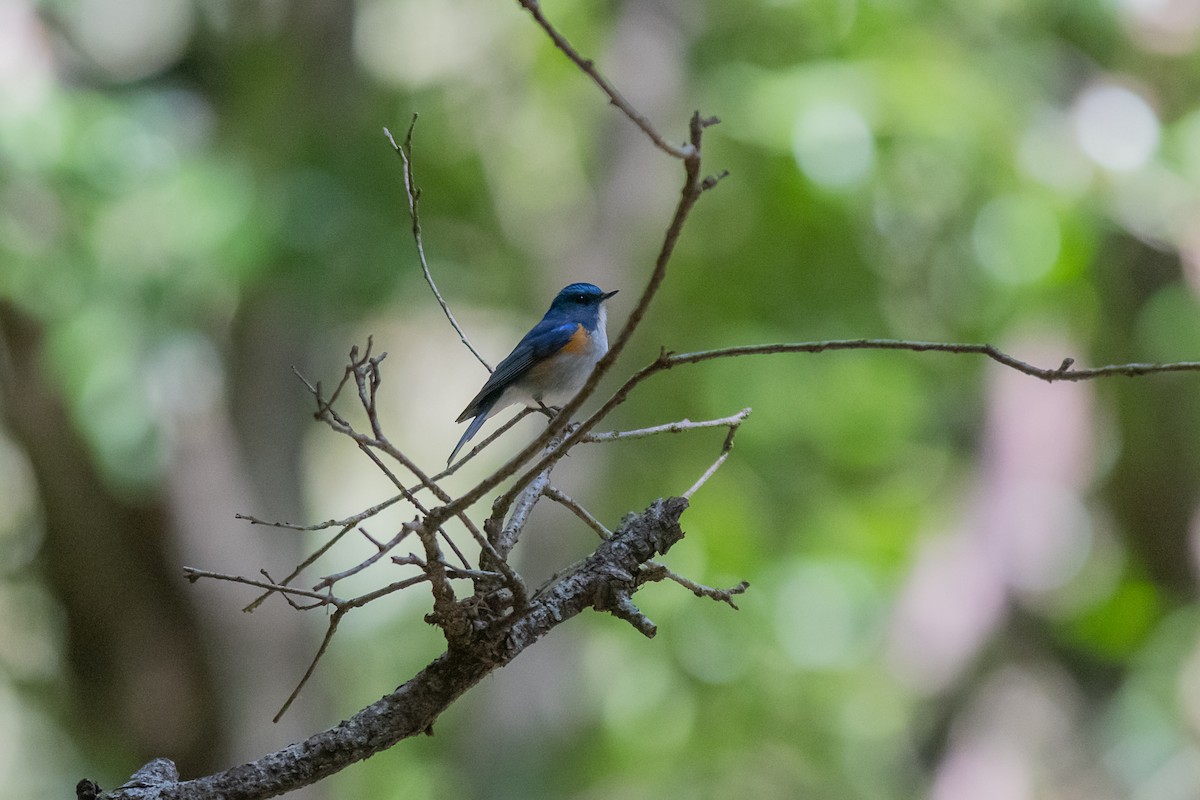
(546, 339)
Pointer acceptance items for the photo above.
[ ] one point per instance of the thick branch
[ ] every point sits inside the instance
(605, 580)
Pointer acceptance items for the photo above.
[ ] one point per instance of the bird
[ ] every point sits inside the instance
(551, 363)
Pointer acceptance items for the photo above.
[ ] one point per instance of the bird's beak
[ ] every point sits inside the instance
(607, 295)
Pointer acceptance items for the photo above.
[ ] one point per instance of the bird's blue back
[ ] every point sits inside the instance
(571, 321)
(549, 336)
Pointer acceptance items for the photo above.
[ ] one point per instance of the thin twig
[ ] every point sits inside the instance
(287, 597)
(589, 68)
(348, 522)
(670, 427)
(1064, 372)
(725, 450)
(666, 361)
(414, 196)
(334, 619)
(693, 187)
(303, 565)
(330, 580)
(194, 574)
(472, 574)
(366, 535)
(708, 473)
(315, 389)
(363, 599)
(557, 495)
(654, 571)
(365, 371)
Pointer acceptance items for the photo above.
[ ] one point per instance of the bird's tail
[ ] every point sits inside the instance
(472, 429)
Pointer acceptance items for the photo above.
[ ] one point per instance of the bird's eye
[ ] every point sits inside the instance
(581, 298)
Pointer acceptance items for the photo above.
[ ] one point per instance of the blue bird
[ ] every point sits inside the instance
(551, 363)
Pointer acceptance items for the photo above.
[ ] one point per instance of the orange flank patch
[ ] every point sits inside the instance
(578, 343)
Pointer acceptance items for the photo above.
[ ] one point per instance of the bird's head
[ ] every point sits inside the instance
(580, 296)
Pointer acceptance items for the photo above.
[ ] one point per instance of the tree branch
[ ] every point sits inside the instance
(588, 67)
(605, 580)
(671, 427)
(1064, 372)
(693, 187)
(414, 197)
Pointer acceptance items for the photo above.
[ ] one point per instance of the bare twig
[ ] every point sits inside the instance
(414, 196)
(194, 574)
(472, 574)
(693, 187)
(366, 535)
(655, 571)
(334, 619)
(287, 597)
(725, 450)
(1064, 372)
(368, 445)
(363, 599)
(303, 565)
(708, 473)
(670, 427)
(348, 522)
(690, 193)
(366, 374)
(557, 495)
(329, 580)
(589, 68)
(346, 525)
(365, 371)
(315, 390)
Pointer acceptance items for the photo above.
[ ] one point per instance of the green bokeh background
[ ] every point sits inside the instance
(964, 583)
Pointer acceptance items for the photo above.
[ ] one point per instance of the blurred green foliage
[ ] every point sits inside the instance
(1016, 172)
